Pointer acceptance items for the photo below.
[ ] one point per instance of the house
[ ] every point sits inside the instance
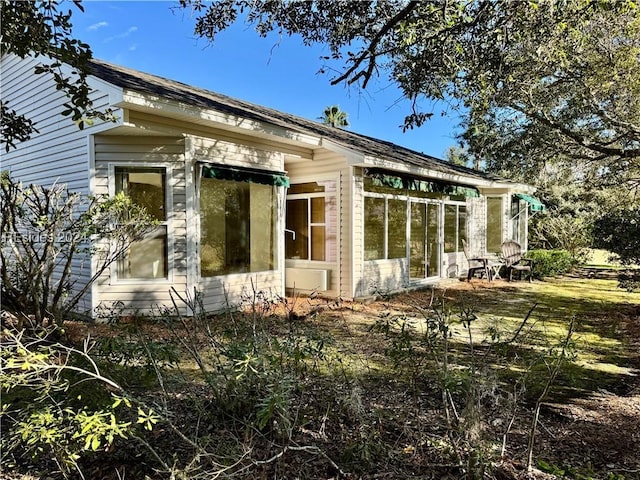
(252, 198)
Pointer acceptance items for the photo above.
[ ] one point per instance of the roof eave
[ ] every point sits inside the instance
(161, 106)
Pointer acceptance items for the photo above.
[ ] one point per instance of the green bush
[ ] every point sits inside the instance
(549, 263)
(57, 409)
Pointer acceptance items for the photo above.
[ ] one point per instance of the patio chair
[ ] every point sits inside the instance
(514, 261)
(476, 264)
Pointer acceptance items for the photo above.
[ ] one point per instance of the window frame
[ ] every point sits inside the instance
(386, 198)
(167, 223)
(310, 223)
(277, 210)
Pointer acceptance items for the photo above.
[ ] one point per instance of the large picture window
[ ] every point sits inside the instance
(237, 227)
(385, 228)
(146, 258)
(311, 222)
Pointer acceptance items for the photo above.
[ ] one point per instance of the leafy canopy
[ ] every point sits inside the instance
(561, 73)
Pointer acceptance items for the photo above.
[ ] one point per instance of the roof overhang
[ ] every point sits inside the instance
(133, 100)
(213, 118)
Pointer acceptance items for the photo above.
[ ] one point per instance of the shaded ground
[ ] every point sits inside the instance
(591, 427)
(357, 415)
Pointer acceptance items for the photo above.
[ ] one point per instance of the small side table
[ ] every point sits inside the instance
(495, 264)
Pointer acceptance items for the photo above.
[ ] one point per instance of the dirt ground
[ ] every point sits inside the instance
(599, 432)
(591, 436)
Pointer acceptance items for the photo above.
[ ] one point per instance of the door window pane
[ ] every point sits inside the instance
(298, 226)
(462, 226)
(450, 227)
(418, 240)
(317, 210)
(433, 252)
(318, 242)
(397, 228)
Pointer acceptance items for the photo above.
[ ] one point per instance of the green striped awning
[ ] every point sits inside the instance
(236, 174)
(535, 204)
(416, 184)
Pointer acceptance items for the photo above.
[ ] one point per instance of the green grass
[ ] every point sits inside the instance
(603, 357)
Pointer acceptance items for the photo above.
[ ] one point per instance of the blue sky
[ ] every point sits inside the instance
(281, 73)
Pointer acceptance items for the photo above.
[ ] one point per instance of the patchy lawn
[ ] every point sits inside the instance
(427, 384)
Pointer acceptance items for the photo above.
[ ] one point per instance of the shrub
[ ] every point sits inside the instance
(619, 232)
(57, 408)
(549, 263)
(43, 229)
(556, 231)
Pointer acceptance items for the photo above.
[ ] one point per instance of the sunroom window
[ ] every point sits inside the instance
(495, 219)
(146, 258)
(385, 228)
(237, 226)
(455, 227)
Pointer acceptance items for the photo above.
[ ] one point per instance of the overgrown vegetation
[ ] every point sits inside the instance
(58, 408)
(444, 383)
(620, 233)
(44, 231)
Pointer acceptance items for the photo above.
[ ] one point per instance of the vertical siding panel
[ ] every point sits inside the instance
(357, 241)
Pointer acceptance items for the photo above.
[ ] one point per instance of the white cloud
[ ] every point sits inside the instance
(98, 25)
(129, 31)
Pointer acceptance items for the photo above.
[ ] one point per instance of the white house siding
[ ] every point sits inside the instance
(111, 151)
(227, 152)
(477, 225)
(59, 152)
(358, 280)
(235, 289)
(385, 276)
(325, 165)
(212, 140)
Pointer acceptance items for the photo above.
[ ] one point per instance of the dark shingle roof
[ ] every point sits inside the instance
(170, 89)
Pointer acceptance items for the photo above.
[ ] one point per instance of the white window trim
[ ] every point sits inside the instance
(168, 222)
(279, 227)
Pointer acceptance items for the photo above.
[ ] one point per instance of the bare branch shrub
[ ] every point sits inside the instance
(50, 235)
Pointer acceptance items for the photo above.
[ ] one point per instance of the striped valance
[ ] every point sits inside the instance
(250, 175)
